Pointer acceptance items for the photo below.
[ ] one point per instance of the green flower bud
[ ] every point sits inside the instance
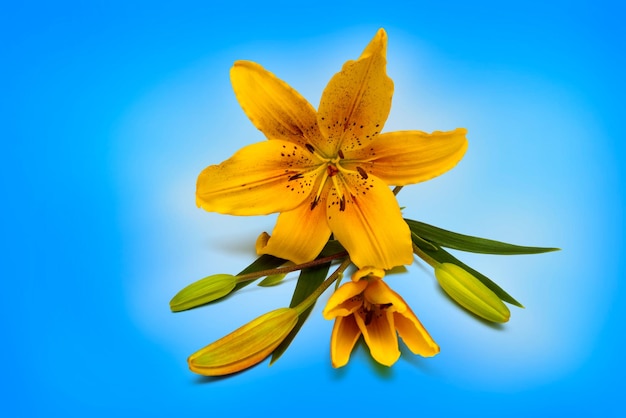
(245, 346)
(203, 291)
(471, 293)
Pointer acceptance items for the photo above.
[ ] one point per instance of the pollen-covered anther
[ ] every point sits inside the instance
(368, 317)
(296, 176)
(342, 203)
(310, 147)
(314, 203)
(362, 172)
(340, 153)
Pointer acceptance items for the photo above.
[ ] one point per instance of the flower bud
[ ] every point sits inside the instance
(203, 291)
(245, 346)
(471, 293)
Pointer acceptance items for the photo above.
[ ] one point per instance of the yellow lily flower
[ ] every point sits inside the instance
(367, 306)
(327, 171)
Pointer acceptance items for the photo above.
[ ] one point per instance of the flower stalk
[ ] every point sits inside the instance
(288, 269)
(337, 274)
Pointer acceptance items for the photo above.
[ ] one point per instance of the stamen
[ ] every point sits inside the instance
(362, 172)
(319, 190)
(310, 148)
(342, 204)
(340, 152)
(368, 317)
(338, 189)
(296, 176)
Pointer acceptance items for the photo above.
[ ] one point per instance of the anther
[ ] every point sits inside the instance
(309, 147)
(340, 152)
(342, 204)
(314, 203)
(296, 176)
(368, 317)
(362, 172)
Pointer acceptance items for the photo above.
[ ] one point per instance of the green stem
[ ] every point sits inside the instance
(421, 254)
(288, 269)
(310, 300)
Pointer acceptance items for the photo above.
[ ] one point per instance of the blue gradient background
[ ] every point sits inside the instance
(110, 110)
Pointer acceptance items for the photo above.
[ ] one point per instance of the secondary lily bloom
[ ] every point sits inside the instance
(367, 306)
(327, 171)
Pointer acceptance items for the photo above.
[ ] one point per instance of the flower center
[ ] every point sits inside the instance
(332, 167)
(371, 311)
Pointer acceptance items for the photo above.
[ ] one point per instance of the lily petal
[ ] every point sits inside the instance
(379, 293)
(342, 340)
(414, 334)
(262, 178)
(406, 157)
(343, 302)
(380, 336)
(370, 226)
(299, 234)
(356, 102)
(273, 106)
(368, 273)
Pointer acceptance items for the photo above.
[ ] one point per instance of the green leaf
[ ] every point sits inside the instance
(309, 280)
(443, 256)
(272, 280)
(468, 243)
(332, 247)
(264, 262)
(414, 237)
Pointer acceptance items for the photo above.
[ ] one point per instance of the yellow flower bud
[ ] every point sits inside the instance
(471, 293)
(245, 346)
(203, 291)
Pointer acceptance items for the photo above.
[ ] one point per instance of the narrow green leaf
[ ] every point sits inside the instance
(443, 256)
(332, 247)
(264, 262)
(414, 237)
(272, 280)
(468, 243)
(309, 280)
